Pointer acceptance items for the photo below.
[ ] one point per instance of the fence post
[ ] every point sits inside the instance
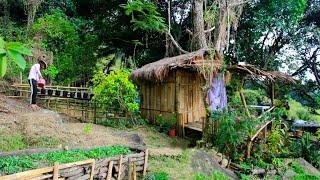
(55, 171)
(145, 166)
(120, 168)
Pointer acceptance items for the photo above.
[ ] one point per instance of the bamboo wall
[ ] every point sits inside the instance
(180, 92)
(158, 98)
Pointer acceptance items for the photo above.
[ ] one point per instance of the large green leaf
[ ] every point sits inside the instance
(18, 47)
(1, 42)
(3, 65)
(17, 58)
(2, 51)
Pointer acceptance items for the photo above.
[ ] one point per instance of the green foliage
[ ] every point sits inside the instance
(13, 164)
(267, 19)
(13, 51)
(160, 175)
(234, 128)
(160, 120)
(52, 71)
(255, 97)
(298, 111)
(301, 173)
(11, 143)
(172, 122)
(144, 16)
(276, 139)
(69, 48)
(115, 91)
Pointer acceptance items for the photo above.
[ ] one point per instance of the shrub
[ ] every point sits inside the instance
(254, 97)
(115, 91)
(233, 130)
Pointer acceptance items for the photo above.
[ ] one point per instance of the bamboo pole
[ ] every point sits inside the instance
(92, 169)
(120, 168)
(56, 171)
(272, 94)
(130, 169)
(145, 166)
(134, 173)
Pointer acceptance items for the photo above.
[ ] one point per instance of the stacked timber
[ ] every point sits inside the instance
(109, 168)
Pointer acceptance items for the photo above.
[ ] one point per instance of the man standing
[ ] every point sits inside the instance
(34, 76)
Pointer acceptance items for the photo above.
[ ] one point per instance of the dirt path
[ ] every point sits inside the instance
(49, 129)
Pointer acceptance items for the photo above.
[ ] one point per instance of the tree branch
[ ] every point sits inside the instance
(209, 30)
(176, 43)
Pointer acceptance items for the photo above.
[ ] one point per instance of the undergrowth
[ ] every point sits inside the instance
(216, 175)
(14, 164)
(11, 143)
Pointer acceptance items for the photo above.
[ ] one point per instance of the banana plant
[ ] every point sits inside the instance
(12, 51)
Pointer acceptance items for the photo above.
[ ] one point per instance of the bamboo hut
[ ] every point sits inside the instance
(174, 85)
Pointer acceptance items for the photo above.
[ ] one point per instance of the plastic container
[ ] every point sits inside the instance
(41, 83)
(50, 92)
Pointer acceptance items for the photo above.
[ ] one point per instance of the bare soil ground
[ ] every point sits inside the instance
(46, 124)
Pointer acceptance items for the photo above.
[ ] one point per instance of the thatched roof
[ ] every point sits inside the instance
(250, 70)
(159, 70)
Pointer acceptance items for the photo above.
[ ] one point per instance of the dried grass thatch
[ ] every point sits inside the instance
(159, 70)
(252, 71)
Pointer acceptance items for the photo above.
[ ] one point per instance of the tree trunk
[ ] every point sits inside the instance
(6, 11)
(199, 38)
(220, 31)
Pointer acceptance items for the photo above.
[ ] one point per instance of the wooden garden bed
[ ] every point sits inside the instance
(109, 168)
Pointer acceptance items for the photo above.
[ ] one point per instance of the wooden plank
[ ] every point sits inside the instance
(110, 170)
(92, 169)
(26, 174)
(47, 176)
(79, 163)
(145, 166)
(134, 173)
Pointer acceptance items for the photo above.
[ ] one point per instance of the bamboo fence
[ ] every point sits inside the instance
(72, 101)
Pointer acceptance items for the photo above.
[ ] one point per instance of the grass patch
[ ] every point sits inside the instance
(12, 143)
(18, 141)
(177, 167)
(45, 141)
(302, 174)
(216, 175)
(14, 164)
(161, 175)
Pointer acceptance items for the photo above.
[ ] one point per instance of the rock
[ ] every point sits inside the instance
(257, 171)
(203, 162)
(289, 174)
(135, 138)
(219, 155)
(308, 166)
(224, 163)
(272, 172)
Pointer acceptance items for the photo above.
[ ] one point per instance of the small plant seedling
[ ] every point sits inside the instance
(87, 129)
